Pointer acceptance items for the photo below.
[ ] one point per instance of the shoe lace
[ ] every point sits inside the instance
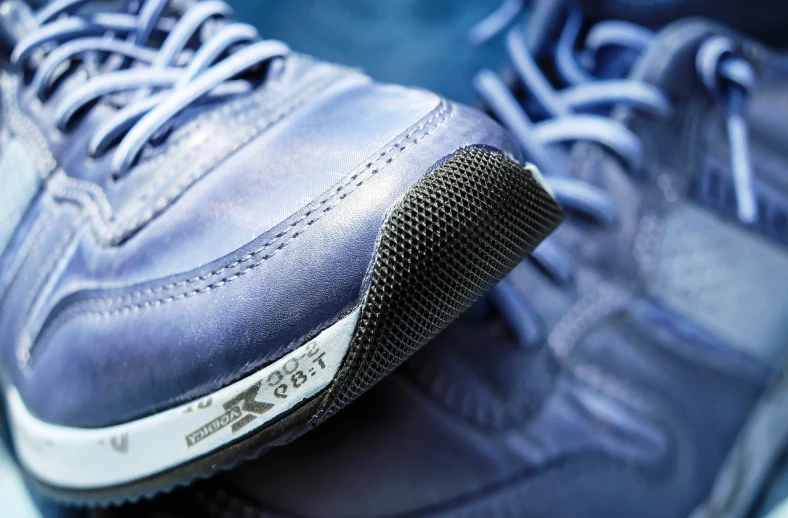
(151, 61)
(580, 112)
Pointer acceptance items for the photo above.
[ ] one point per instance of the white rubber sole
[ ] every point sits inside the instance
(83, 459)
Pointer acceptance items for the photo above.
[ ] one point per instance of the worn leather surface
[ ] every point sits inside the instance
(250, 230)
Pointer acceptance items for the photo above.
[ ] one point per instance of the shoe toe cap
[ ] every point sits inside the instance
(272, 247)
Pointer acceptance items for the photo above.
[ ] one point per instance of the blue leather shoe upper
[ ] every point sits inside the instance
(245, 226)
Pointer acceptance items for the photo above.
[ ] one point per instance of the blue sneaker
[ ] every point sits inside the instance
(210, 243)
(636, 365)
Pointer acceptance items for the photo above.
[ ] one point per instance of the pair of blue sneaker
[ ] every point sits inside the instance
(212, 244)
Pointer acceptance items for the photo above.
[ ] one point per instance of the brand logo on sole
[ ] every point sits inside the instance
(239, 412)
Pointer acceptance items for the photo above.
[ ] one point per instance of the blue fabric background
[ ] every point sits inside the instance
(412, 42)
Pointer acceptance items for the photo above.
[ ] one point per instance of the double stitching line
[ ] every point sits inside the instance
(267, 250)
(25, 347)
(113, 236)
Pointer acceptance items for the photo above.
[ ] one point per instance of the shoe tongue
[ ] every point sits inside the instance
(669, 62)
(683, 216)
(623, 252)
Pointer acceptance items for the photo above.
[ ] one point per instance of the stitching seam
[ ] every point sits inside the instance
(94, 192)
(439, 116)
(26, 344)
(62, 187)
(23, 127)
(113, 236)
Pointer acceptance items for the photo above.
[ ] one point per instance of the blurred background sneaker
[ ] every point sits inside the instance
(635, 366)
(428, 43)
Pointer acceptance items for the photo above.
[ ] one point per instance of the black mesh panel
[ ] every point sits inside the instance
(451, 239)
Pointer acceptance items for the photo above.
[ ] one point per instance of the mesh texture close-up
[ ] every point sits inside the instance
(420, 281)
